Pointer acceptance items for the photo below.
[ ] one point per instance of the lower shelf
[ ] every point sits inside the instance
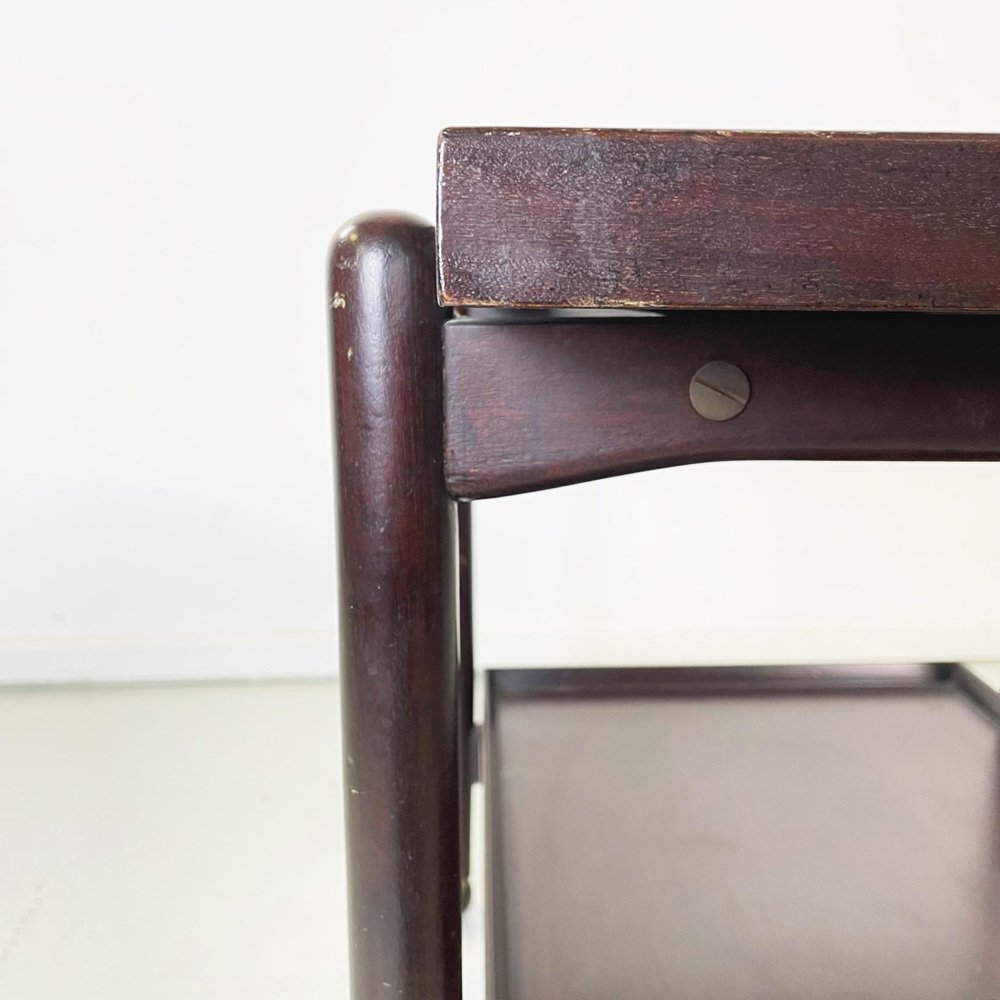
(751, 833)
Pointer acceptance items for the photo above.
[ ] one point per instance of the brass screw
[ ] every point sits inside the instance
(719, 391)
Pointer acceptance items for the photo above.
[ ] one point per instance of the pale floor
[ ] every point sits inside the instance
(175, 841)
(178, 841)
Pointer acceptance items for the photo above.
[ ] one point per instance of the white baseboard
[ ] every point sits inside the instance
(313, 655)
(126, 659)
(962, 642)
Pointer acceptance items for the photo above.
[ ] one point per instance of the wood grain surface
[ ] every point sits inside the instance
(398, 630)
(582, 218)
(534, 405)
(743, 837)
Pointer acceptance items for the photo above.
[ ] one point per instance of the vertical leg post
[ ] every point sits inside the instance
(397, 530)
(466, 680)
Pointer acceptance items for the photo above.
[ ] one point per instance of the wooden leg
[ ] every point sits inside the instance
(397, 614)
(466, 681)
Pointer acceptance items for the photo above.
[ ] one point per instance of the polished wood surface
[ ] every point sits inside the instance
(398, 573)
(466, 689)
(733, 838)
(534, 405)
(747, 835)
(595, 217)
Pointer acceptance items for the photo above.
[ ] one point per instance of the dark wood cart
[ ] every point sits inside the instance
(593, 303)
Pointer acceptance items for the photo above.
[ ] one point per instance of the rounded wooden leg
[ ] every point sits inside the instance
(467, 766)
(397, 613)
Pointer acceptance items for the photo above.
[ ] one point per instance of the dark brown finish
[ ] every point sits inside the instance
(537, 405)
(985, 695)
(742, 836)
(820, 832)
(584, 217)
(466, 682)
(648, 682)
(397, 613)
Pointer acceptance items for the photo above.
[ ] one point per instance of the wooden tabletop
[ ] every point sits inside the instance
(719, 220)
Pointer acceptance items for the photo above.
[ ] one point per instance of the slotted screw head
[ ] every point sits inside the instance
(719, 391)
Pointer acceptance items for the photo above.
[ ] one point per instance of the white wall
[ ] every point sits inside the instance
(171, 175)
